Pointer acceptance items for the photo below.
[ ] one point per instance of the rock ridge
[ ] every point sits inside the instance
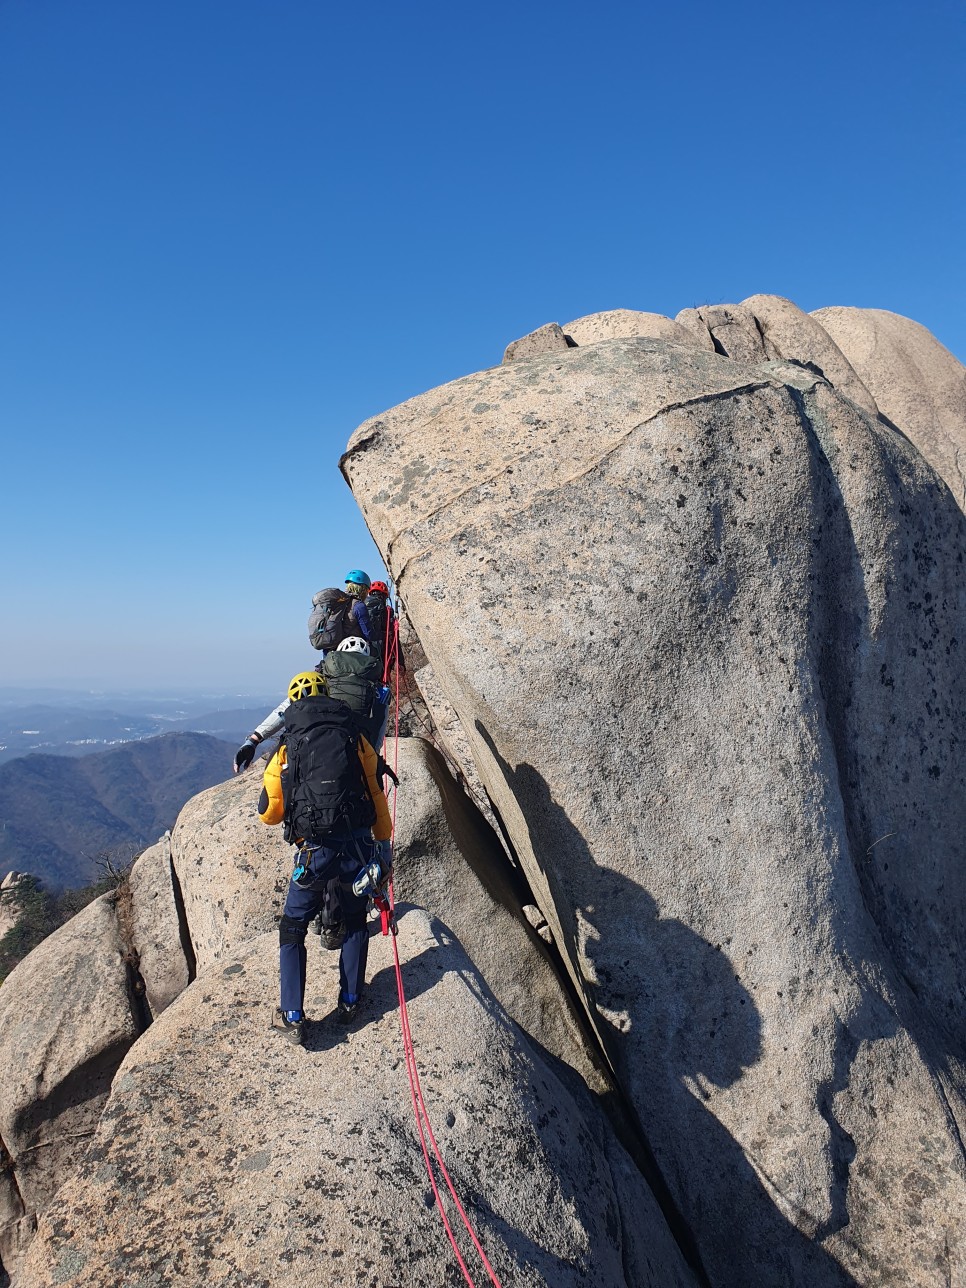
(762, 589)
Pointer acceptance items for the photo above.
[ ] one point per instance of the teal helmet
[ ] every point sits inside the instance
(356, 577)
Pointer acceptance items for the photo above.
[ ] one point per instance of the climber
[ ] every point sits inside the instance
(381, 620)
(338, 613)
(352, 677)
(322, 783)
(357, 585)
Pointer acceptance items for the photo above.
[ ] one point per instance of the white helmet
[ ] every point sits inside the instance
(354, 644)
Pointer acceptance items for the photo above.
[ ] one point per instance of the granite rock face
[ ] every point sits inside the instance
(915, 381)
(68, 1014)
(546, 339)
(731, 329)
(787, 332)
(728, 753)
(165, 959)
(448, 858)
(227, 1155)
(232, 871)
(889, 366)
(621, 323)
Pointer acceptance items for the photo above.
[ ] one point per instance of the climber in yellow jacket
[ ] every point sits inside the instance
(324, 785)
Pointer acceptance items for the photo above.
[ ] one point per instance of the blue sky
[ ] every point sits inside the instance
(232, 230)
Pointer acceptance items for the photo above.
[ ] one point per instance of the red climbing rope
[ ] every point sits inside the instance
(420, 1111)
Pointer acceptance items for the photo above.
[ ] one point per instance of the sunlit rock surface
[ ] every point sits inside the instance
(701, 621)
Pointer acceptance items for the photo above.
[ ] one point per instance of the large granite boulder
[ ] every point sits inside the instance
(546, 339)
(227, 1155)
(731, 329)
(68, 1014)
(700, 620)
(231, 870)
(916, 382)
(618, 324)
(788, 332)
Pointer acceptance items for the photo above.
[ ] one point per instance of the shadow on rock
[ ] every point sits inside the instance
(674, 1021)
(381, 996)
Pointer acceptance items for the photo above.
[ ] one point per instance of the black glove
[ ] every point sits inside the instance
(382, 768)
(246, 752)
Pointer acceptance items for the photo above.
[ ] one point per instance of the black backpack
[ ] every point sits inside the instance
(327, 792)
(330, 621)
(378, 610)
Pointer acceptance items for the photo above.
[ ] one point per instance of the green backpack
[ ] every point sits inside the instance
(353, 678)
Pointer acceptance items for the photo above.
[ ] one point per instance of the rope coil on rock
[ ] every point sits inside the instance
(423, 1124)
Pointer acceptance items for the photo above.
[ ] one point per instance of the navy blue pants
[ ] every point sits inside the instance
(339, 859)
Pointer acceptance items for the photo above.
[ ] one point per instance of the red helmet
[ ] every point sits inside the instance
(379, 587)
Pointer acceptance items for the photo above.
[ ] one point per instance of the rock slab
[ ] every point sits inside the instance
(729, 756)
(68, 1015)
(227, 1155)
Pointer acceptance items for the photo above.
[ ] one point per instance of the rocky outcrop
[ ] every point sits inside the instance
(232, 871)
(621, 323)
(789, 333)
(8, 908)
(729, 758)
(690, 1010)
(227, 1155)
(887, 365)
(731, 329)
(546, 339)
(916, 383)
(157, 929)
(68, 1014)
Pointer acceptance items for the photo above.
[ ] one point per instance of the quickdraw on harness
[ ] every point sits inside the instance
(386, 915)
(385, 901)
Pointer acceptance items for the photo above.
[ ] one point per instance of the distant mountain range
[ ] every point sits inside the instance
(64, 729)
(59, 813)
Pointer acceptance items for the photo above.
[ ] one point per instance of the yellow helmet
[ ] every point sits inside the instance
(307, 684)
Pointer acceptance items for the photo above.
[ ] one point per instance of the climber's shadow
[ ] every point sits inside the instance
(422, 971)
(381, 996)
(675, 1022)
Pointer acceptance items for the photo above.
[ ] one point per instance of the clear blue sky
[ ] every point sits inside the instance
(231, 230)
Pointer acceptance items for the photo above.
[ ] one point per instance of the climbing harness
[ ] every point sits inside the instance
(385, 901)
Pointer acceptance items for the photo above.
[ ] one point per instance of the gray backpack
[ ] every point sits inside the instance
(330, 620)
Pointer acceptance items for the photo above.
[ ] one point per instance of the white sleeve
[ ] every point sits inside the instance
(273, 722)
